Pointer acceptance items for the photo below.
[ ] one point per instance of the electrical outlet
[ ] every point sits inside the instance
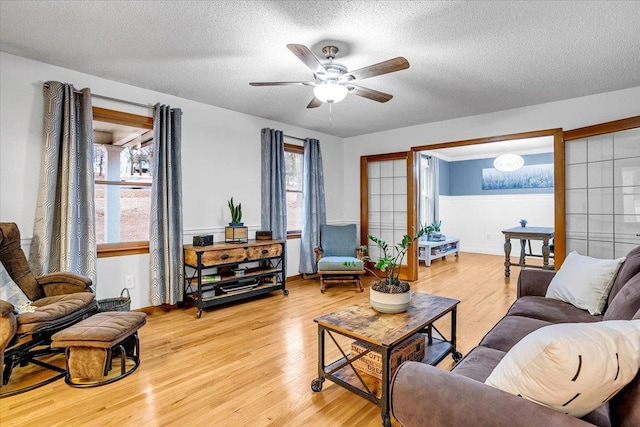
(129, 282)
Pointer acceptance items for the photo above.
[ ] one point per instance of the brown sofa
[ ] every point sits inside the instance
(424, 395)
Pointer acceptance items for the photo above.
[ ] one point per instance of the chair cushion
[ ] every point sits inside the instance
(340, 263)
(338, 240)
(479, 363)
(103, 330)
(54, 310)
(550, 310)
(510, 330)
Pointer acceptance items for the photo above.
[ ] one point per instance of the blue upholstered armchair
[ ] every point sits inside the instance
(339, 256)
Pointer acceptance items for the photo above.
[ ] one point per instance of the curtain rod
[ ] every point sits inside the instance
(109, 98)
(293, 137)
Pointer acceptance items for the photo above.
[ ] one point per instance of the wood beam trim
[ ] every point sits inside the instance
(602, 128)
(485, 140)
(121, 118)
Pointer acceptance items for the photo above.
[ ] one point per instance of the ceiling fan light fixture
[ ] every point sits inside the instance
(330, 92)
(508, 162)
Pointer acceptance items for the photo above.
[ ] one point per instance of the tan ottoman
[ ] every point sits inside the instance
(91, 343)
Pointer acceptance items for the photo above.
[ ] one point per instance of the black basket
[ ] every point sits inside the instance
(115, 304)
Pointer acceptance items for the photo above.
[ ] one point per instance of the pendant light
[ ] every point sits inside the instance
(508, 162)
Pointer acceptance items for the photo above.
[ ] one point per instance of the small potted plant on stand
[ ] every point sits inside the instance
(523, 222)
(235, 232)
(389, 294)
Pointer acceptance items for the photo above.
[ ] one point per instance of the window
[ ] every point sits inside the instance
(122, 173)
(293, 159)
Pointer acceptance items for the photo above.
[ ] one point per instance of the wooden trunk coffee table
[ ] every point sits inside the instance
(382, 333)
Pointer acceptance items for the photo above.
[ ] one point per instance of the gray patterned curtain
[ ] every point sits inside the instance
(274, 200)
(314, 213)
(64, 234)
(165, 233)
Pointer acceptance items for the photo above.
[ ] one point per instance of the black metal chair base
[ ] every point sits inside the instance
(26, 354)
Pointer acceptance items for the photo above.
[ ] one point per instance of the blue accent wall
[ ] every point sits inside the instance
(443, 178)
(464, 178)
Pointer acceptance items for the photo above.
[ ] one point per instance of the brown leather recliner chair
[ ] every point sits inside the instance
(59, 299)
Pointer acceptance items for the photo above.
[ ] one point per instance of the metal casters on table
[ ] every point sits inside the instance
(316, 385)
(457, 356)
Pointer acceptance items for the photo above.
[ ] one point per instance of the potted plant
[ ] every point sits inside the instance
(389, 294)
(235, 232)
(523, 222)
(236, 214)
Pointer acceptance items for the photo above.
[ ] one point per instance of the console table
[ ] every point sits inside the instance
(526, 233)
(382, 333)
(224, 272)
(428, 250)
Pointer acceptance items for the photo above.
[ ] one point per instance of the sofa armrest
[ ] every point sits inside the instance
(534, 282)
(6, 308)
(63, 283)
(422, 395)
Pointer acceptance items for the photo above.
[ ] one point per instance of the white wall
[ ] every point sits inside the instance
(568, 114)
(478, 220)
(220, 157)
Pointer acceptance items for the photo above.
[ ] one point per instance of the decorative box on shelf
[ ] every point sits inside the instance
(236, 234)
(263, 235)
(204, 240)
(411, 349)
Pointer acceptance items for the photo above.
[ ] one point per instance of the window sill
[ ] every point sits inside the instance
(291, 236)
(106, 250)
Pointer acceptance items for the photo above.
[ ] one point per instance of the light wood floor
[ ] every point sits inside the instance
(251, 364)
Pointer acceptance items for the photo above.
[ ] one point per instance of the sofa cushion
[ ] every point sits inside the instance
(479, 363)
(550, 310)
(509, 330)
(626, 302)
(629, 268)
(571, 367)
(584, 281)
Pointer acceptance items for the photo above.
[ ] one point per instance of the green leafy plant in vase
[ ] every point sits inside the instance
(389, 294)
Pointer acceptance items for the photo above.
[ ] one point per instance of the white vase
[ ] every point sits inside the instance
(389, 303)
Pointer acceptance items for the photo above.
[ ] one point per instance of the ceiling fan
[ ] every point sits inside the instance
(333, 81)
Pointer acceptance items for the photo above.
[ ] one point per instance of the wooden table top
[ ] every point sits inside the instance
(530, 231)
(364, 323)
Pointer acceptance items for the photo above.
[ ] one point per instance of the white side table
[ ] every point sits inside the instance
(429, 250)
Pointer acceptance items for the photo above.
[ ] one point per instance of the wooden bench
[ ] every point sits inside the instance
(91, 343)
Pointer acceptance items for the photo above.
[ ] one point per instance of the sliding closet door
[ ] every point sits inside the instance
(603, 189)
(388, 208)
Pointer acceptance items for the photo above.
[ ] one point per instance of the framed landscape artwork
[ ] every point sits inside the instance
(533, 176)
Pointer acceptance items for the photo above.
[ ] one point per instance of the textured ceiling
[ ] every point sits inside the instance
(465, 58)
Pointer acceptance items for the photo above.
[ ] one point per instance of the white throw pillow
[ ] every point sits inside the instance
(584, 281)
(571, 367)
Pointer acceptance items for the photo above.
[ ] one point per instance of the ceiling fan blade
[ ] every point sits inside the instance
(305, 55)
(369, 93)
(315, 103)
(281, 83)
(389, 66)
